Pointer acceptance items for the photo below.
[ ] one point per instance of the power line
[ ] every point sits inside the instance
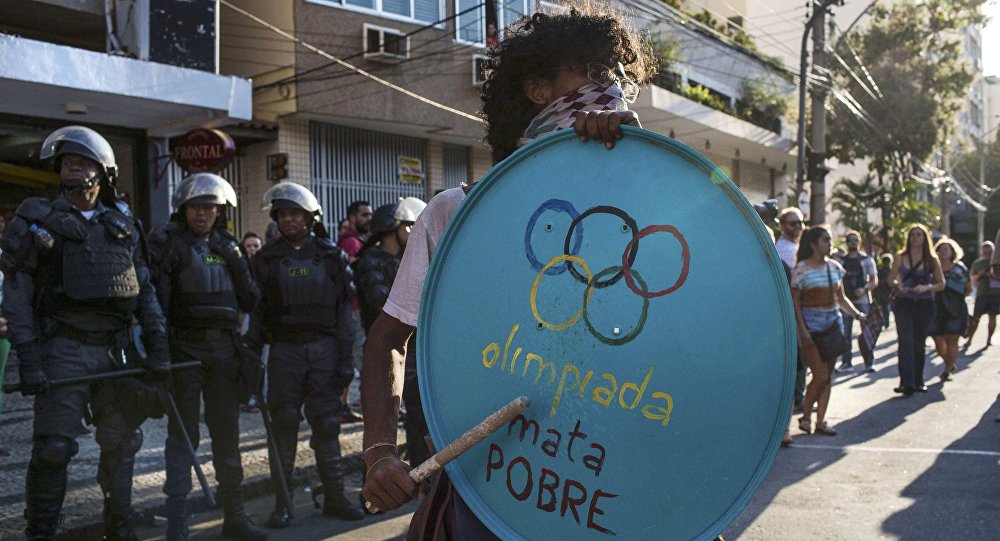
(295, 77)
(352, 67)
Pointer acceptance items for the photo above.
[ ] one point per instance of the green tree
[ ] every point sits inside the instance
(852, 199)
(897, 113)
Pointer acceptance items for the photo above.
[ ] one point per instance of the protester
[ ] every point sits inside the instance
(916, 276)
(817, 292)
(987, 300)
(203, 283)
(75, 279)
(251, 244)
(884, 288)
(342, 228)
(541, 59)
(790, 223)
(359, 217)
(860, 280)
(952, 312)
(304, 313)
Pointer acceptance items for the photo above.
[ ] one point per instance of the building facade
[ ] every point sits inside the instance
(140, 72)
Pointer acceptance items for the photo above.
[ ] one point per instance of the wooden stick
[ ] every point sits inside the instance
(489, 425)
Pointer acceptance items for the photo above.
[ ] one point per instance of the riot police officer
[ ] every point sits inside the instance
(76, 276)
(203, 282)
(375, 271)
(304, 314)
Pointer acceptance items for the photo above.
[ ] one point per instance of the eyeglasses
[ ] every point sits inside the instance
(603, 75)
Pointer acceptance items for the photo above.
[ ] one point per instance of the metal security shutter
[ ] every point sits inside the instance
(456, 165)
(350, 164)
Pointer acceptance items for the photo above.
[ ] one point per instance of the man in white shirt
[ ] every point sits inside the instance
(791, 229)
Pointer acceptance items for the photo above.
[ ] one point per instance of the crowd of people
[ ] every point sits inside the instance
(286, 323)
(924, 285)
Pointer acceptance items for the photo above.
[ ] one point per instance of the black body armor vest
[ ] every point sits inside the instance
(304, 287)
(375, 272)
(89, 267)
(203, 295)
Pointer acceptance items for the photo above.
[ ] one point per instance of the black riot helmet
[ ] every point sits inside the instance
(84, 142)
(388, 217)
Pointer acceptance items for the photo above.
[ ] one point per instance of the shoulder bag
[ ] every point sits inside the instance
(831, 341)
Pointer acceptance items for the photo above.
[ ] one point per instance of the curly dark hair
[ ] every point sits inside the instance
(533, 47)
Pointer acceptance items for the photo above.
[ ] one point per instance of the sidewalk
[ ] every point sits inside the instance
(82, 508)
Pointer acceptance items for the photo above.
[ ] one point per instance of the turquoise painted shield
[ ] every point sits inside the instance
(637, 299)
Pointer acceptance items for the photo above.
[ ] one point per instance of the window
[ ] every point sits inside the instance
(471, 27)
(426, 11)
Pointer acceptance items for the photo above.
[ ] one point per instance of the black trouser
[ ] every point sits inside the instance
(216, 382)
(415, 424)
(304, 376)
(58, 421)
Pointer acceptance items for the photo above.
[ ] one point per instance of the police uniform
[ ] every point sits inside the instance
(305, 314)
(73, 286)
(75, 283)
(375, 271)
(203, 285)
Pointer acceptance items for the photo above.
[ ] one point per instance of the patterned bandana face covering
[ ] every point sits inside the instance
(561, 114)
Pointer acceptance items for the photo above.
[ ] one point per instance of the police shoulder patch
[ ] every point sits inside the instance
(33, 209)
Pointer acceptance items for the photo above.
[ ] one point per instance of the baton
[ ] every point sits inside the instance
(272, 446)
(476, 434)
(190, 448)
(16, 387)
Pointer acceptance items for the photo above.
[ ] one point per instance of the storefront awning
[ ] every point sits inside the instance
(40, 79)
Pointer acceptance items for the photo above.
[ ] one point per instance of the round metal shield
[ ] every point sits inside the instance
(637, 299)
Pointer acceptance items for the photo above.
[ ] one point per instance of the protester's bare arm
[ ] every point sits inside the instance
(388, 484)
(604, 126)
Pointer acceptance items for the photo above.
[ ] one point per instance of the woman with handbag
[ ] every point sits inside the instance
(952, 312)
(916, 275)
(818, 297)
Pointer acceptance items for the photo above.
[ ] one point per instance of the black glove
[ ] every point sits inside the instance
(229, 251)
(33, 380)
(158, 367)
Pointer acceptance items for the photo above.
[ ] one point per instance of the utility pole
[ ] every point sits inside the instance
(817, 155)
(945, 199)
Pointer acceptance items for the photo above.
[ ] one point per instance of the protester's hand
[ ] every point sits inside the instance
(387, 483)
(604, 126)
(3, 326)
(33, 380)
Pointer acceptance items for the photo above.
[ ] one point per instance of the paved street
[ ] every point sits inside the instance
(924, 467)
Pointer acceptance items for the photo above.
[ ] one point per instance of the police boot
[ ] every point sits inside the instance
(236, 524)
(286, 443)
(115, 476)
(46, 486)
(117, 525)
(177, 517)
(331, 473)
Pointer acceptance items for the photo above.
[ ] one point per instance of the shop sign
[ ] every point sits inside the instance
(411, 170)
(203, 150)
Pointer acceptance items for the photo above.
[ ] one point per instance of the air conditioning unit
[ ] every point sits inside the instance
(385, 44)
(479, 70)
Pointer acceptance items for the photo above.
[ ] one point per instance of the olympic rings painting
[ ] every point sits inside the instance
(569, 259)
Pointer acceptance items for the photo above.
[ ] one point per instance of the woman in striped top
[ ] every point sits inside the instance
(818, 297)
